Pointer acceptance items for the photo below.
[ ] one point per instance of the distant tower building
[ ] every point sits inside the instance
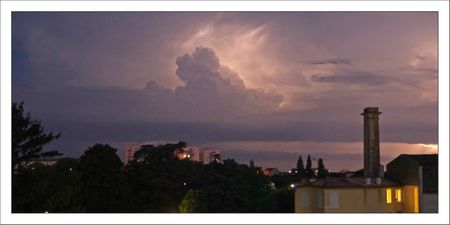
(211, 155)
(129, 152)
(193, 153)
(372, 168)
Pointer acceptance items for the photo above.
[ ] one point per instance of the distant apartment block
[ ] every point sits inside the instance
(196, 154)
(268, 172)
(193, 153)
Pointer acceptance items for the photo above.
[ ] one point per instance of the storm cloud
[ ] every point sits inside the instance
(227, 76)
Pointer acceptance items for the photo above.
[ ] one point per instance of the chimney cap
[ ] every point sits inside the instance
(371, 110)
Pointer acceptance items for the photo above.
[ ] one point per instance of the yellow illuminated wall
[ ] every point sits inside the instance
(410, 198)
(416, 199)
(349, 200)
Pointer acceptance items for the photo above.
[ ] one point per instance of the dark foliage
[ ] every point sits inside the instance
(102, 181)
(308, 170)
(155, 181)
(322, 171)
(300, 167)
(28, 139)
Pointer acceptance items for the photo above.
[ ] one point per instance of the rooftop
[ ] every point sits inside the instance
(423, 159)
(346, 182)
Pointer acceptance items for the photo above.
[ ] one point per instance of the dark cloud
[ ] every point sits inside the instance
(111, 77)
(278, 154)
(329, 62)
(212, 93)
(354, 78)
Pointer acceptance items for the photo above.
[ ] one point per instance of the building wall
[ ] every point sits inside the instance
(312, 200)
(129, 152)
(403, 171)
(208, 154)
(195, 153)
(350, 200)
(412, 175)
(410, 199)
(430, 203)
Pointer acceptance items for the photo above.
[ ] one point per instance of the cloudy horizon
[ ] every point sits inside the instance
(266, 86)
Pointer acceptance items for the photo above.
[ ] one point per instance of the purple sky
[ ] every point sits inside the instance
(260, 85)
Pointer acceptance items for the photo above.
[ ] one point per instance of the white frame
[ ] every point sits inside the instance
(8, 6)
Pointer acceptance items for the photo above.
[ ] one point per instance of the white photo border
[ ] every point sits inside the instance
(442, 7)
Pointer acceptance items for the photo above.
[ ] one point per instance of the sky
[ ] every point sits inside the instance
(268, 86)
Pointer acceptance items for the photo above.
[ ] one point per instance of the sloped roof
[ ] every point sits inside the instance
(346, 182)
(423, 159)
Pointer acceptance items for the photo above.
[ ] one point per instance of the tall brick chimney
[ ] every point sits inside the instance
(371, 144)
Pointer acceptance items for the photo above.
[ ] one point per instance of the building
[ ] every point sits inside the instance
(196, 154)
(211, 155)
(193, 153)
(270, 172)
(348, 194)
(372, 193)
(45, 162)
(419, 175)
(129, 152)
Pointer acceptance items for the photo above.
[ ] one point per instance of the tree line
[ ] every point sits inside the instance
(155, 181)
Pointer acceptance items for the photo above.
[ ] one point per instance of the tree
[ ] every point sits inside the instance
(194, 202)
(102, 180)
(252, 164)
(321, 167)
(308, 169)
(300, 166)
(159, 180)
(28, 139)
(63, 187)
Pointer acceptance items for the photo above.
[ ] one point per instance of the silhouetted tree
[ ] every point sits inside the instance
(28, 139)
(285, 201)
(308, 169)
(321, 167)
(300, 166)
(102, 180)
(194, 202)
(159, 180)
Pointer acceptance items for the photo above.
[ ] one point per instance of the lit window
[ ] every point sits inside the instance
(304, 199)
(398, 195)
(388, 196)
(334, 199)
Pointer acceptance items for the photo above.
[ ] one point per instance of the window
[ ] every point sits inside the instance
(365, 196)
(320, 200)
(379, 196)
(304, 199)
(388, 196)
(334, 199)
(398, 195)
